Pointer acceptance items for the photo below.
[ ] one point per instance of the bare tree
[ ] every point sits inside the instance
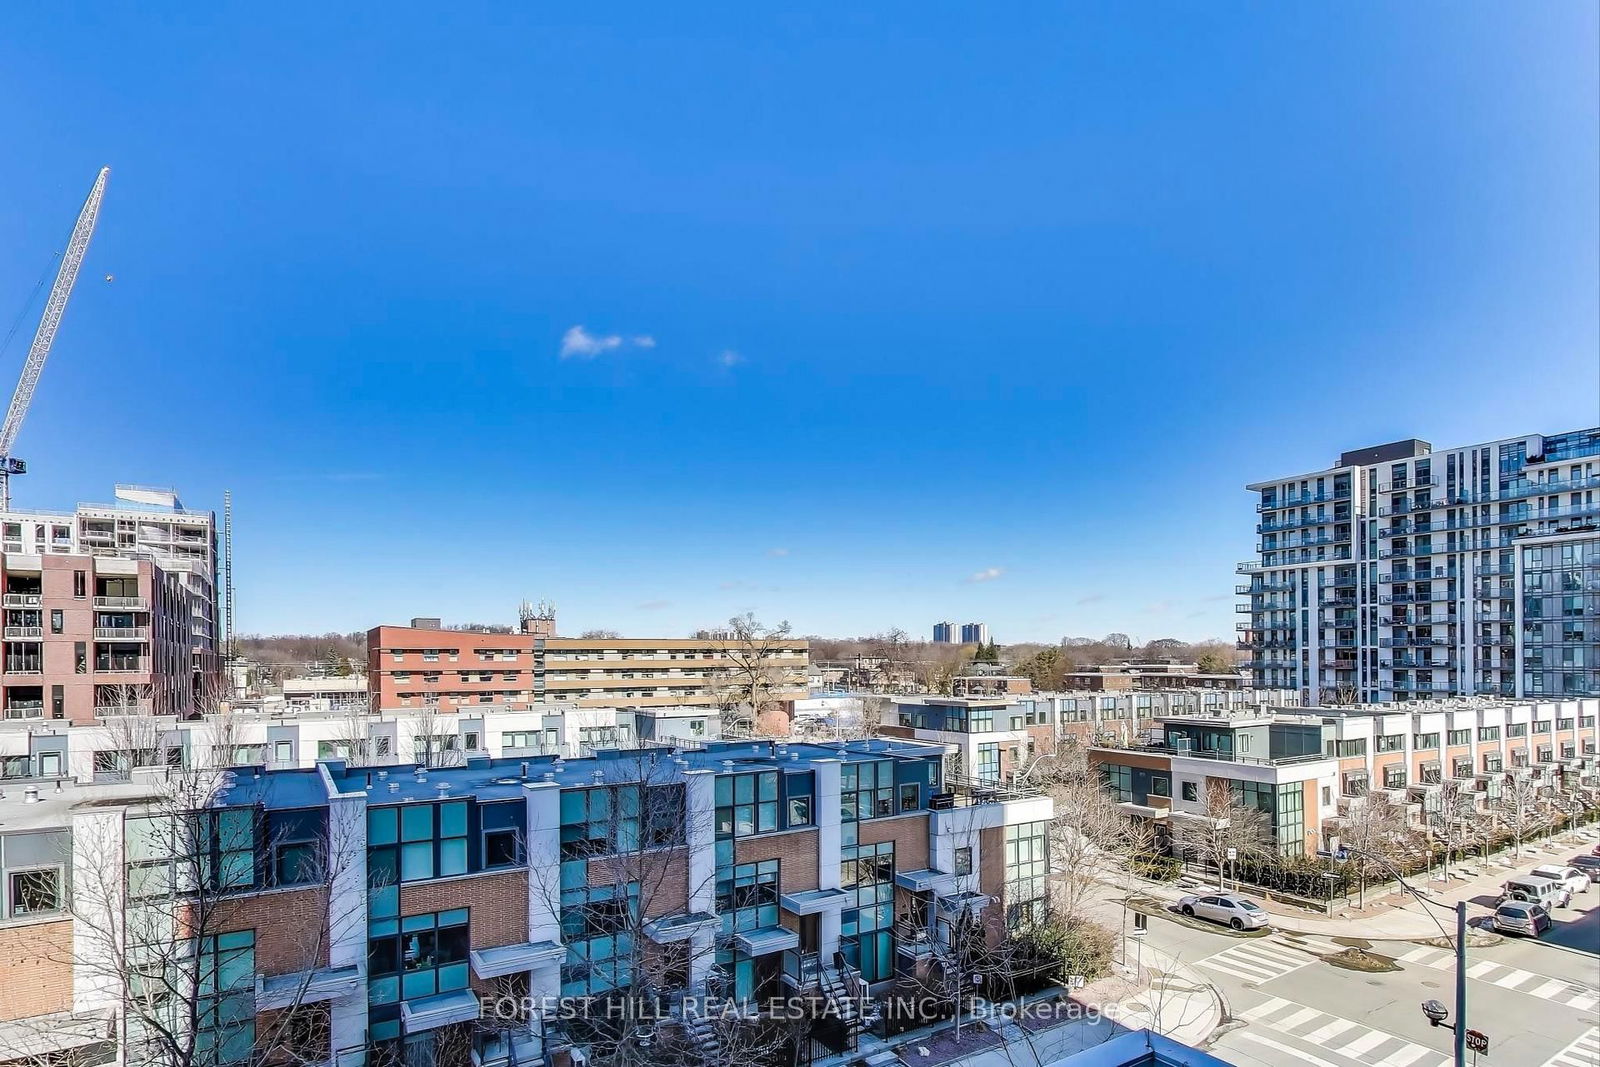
(1520, 810)
(749, 676)
(1377, 831)
(162, 904)
(1224, 823)
(434, 738)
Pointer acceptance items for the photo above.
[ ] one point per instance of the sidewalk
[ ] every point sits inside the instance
(1396, 915)
(1178, 1002)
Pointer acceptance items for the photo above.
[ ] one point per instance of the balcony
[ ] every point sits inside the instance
(21, 600)
(121, 666)
(134, 707)
(1495, 569)
(122, 603)
(24, 632)
(24, 709)
(122, 633)
(1249, 566)
(1264, 585)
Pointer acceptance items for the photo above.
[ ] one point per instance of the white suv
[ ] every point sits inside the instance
(1575, 880)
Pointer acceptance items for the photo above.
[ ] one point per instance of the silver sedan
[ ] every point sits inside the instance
(1241, 913)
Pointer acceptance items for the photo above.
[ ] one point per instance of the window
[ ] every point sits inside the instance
(797, 791)
(963, 861)
(283, 751)
(1160, 785)
(225, 999)
(79, 585)
(1425, 741)
(697, 727)
(1394, 776)
(747, 896)
(471, 740)
(1027, 865)
(1461, 767)
(416, 956)
(1354, 747)
(1191, 791)
(746, 804)
(1517, 729)
(987, 764)
(1491, 762)
(1459, 737)
(1563, 724)
(416, 842)
(1488, 733)
(57, 623)
(1119, 780)
(58, 702)
(867, 927)
(867, 789)
(1541, 726)
(80, 657)
(502, 834)
(35, 892)
(293, 839)
(1391, 742)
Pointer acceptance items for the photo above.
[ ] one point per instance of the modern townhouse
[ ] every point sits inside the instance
(1305, 767)
(356, 915)
(1404, 573)
(112, 748)
(996, 738)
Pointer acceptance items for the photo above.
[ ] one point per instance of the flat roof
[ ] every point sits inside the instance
(503, 779)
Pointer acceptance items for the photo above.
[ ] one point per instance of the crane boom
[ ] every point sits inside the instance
(45, 336)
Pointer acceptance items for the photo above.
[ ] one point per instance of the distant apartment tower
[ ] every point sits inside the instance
(109, 609)
(944, 633)
(1403, 573)
(974, 633)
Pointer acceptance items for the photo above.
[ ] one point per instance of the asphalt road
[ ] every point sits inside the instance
(1538, 1001)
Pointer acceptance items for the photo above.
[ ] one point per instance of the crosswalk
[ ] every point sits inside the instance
(1584, 1052)
(1537, 985)
(1258, 961)
(1343, 1037)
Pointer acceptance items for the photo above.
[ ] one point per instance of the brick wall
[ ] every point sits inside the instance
(662, 874)
(36, 969)
(796, 854)
(498, 903)
(992, 880)
(909, 834)
(291, 927)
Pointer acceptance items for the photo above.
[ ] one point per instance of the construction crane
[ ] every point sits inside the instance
(54, 308)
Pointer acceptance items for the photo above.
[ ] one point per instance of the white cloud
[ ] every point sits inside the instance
(729, 358)
(654, 605)
(777, 551)
(1092, 598)
(579, 343)
(988, 574)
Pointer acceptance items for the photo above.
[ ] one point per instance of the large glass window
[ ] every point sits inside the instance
(867, 789)
(226, 999)
(747, 896)
(987, 767)
(867, 927)
(417, 956)
(747, 804)
(1027, 865)
(596, 924)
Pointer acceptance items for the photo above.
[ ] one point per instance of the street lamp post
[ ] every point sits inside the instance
(1436, 1012)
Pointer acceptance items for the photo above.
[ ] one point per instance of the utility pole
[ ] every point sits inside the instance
(1459, 1031)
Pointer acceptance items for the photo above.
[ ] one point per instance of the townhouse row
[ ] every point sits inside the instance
(112, 748)
(1304, 768)
(351, 915)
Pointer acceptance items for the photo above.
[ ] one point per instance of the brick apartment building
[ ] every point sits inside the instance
(739, 869)
(415, 666)
(1306, 769)
(109, 608)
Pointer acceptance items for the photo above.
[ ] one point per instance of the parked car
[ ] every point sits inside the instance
(1575, 880)
(1589, 865)
(1521, 917)
(1241, 913)
(1548, 893)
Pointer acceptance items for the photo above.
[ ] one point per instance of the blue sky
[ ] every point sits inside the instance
(901, 298)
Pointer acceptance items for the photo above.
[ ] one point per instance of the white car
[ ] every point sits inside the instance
(1575, 880)
(1241, 913)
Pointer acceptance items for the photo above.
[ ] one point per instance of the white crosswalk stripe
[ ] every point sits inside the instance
(1584, 1052)
(1346, 1039)
(1258, 961)
(1538, 985)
